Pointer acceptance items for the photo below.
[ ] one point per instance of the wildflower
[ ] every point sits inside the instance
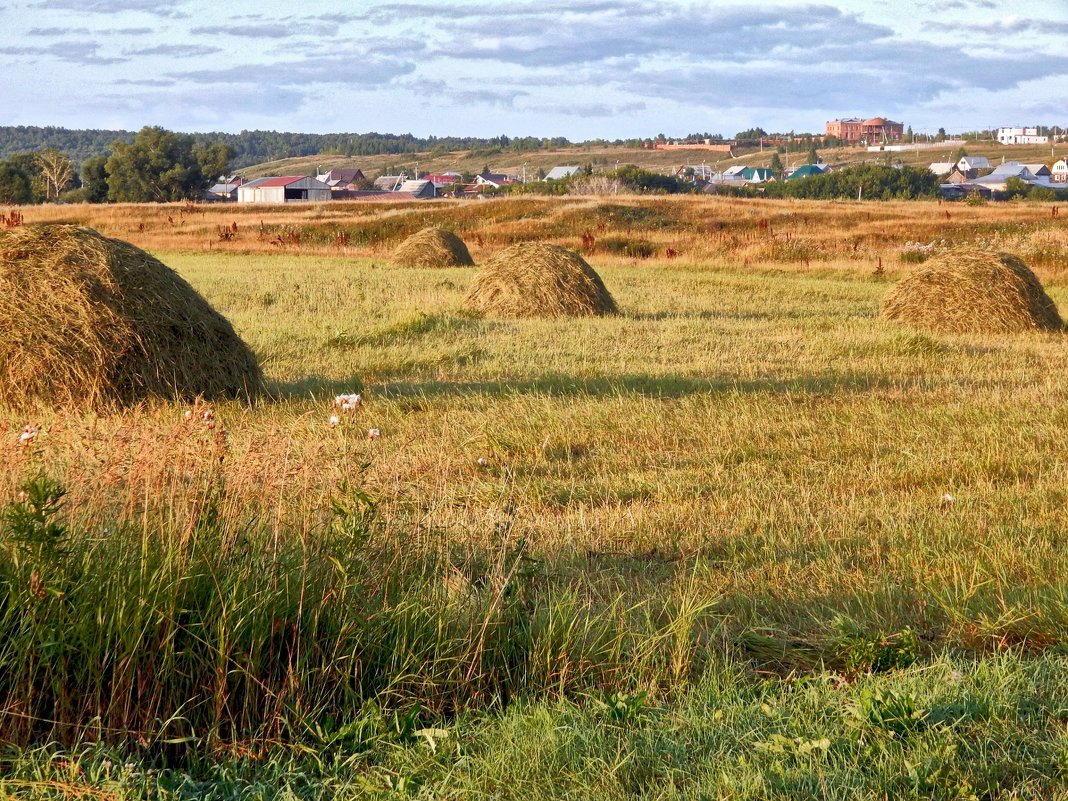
(482, 461)
(209, 415)
(187, 414)
(373, 433)
(348, 403)
(29, 433)
(947, 499)
(334, 420)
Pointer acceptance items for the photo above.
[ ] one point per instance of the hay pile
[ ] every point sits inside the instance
(432, 247)
(534, 279)
(92, 321)
(973, 291)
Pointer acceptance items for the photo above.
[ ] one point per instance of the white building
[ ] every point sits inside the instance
(1021, 136)
(969, 163)
(1059, 172)
(284, 189)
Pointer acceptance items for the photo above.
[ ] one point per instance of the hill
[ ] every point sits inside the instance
(605, 157)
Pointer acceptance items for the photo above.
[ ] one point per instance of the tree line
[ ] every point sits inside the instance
(256, 147)
(156, 166)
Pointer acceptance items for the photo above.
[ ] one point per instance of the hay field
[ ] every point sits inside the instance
(743, 478)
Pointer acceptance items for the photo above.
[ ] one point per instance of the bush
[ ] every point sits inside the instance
(867, 181)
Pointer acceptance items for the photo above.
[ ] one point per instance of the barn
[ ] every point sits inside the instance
(284, 189)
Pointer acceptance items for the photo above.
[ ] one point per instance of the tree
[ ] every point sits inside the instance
(95, 179)
(812, 157)
(776, 163)
(14, 185)
(214, 159)
(56, 171)
(158, 166)
(941, 135)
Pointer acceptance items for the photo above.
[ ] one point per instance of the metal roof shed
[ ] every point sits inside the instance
(284, 189)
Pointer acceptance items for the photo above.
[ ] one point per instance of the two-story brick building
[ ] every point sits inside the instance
(875, 131)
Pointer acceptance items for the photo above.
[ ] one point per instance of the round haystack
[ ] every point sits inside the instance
(973, 291)
(535, 279)
(432, 247)
(92, 321)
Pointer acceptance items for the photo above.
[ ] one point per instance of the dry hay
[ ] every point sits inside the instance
(92, 321)
(973, 291)
(432, 247)
(535, 279)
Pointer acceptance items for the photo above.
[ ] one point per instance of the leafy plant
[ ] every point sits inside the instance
(894, 713)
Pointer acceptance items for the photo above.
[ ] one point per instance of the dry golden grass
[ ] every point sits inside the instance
(432, 247)
(710, 232)
(976, 291)
(91, 321)
(536, 279)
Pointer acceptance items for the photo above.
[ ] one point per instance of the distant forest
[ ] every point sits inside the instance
(255, 147)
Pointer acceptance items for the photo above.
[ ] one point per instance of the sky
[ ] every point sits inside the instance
(611, 69)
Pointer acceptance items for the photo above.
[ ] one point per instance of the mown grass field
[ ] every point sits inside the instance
(744, 540)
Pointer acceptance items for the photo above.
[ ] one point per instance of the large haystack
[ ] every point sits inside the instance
(534, 279)
(92, 321)
(432, 247)
(973, 291)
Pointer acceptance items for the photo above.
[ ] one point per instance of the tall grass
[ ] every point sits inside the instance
(746, 468)
(214, 634)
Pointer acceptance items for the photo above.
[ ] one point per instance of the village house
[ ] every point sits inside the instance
(559, 173)
(1039, 170)
(1059, 172)
(807, 171)
(492, 179)
(1021, 136)
(341, 179)
(971, 166)
(390, 183)
(418, 188)
(869, 132)
(442, 179)
(225, 191)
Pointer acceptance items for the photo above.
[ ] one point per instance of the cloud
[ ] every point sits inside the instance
(363, 71)
(73, 52)
(1012, 26)
(533, 36)
(154, 7)
(218, 107)
(252, 31)
(52, 32)
(592, 110)
(185, 50)
(959, 5)
(157, 82)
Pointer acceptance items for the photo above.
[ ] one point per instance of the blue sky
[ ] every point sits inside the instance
(595, 68)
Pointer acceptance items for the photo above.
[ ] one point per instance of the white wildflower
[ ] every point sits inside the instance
(348, 403)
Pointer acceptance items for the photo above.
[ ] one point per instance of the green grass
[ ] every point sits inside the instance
(949, 730)
(704, 537)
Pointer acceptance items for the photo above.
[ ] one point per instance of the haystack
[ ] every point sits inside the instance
(432, 247)
(92, 321)
(973, 291)
(535, 279)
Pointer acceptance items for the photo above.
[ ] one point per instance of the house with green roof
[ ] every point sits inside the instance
(807, 171)
(758, 175)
